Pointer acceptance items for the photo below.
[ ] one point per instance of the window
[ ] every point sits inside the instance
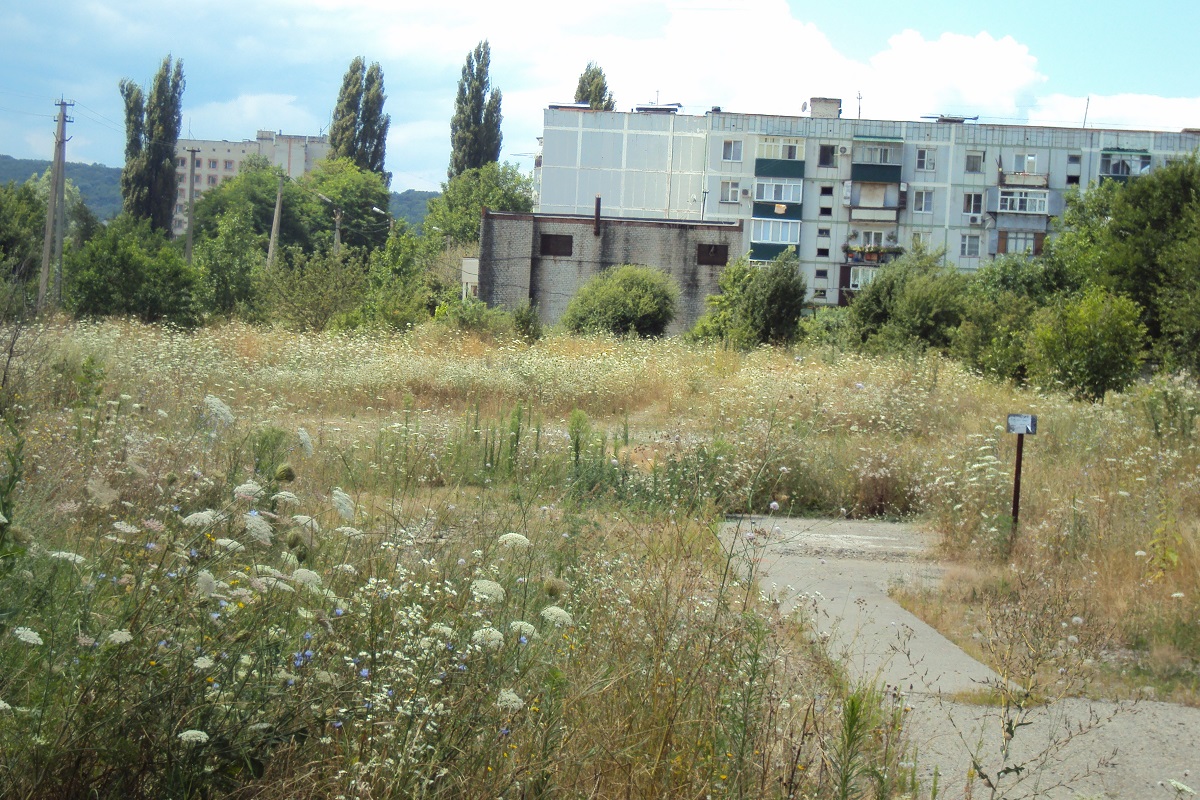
(196, 179)
(716, 255)
(861, 276)
(779, 190)
(182, 192)
(925, 159)
(826, 191)
(731, 150)
(1023, 202)
(1025, 162)
(1074, 159)
(975, 162)
(822, 232)
(822, 274)
(228, 164)
(181, 161)
(973, 203)
(969, 246)
(1020, 242)
(827, 156)
(819, 294)
(199, 163)
(825, 211)
(876, 154)
(921, 240)
(1124, 163)
(923, 201)
(212, 180)
(212, 163)
(1072, 180)
(557, 244)
(179, 208)
(777, 231)
(784, 149)
(872, 238)
(729, 191)
(822, 252)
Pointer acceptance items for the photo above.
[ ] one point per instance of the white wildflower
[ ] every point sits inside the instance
(202, 663)
(487, 591)
(27, 635)
(257, 528)
(125, 527)
(249, 489)
(206, 584)
(286, 497)
(515, 541)
(120, 637)
(4, 707)
(64, 555)
(349, 533)
(232, 545)
(441, 631)
(557, 617)
(1140, 554)
(343, 504)
(520, 628)
(1177, 595)
(162, 414)
(306, 443)
(218, 410)
(488, 638)
(200, 519)
(509, 701)
(1076, 620)
(305, 521)
(193, 737)
(349, 569)
(266, 569)
(306, 577)
(276, 583)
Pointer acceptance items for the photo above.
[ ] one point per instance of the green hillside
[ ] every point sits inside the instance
(410, 205)
(99, 185)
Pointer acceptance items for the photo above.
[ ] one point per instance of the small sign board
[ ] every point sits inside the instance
(1022, 423)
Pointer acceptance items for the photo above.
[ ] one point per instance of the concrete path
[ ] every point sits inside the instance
(842, 570)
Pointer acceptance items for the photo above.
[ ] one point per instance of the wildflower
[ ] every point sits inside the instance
(4, 707)
(774, 506)
(487, 591)
(1076, 620)
(276, 583)
(63, 555)
(203, 663)
(514, 540)
(27, 635)
(206, 584)
(217, 409)
(343, 504)
(231, 545)
(257, 528)
(523, 630)
(120, 637)
(1177, 595)
(1140, 554)
(286, 497)
(488, 638)
(442, 631)
(509, 701)
(306, 577)
(200, 519)
(557, 617)
(125, 527)
(305, 521)
(193, 737)
(247, 491)
(348, 532)
(306, 442)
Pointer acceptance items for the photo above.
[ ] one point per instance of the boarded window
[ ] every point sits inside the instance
(712, 254)
(557, 244)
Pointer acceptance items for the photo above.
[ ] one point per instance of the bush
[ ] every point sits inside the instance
(624, 300)
(310, 292)
(757, 305)
(911, 301)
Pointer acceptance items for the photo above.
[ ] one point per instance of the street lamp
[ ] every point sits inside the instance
(337, 223)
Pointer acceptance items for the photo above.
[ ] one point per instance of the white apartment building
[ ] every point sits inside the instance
(848, 194)
(218, 161)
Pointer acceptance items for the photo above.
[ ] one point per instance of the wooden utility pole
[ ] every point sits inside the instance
(53, 201)
(275, 224)
(191, 201)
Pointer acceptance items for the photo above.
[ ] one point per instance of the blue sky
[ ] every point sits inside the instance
(278, 65)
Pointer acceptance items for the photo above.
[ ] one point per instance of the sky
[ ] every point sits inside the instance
(267, 64)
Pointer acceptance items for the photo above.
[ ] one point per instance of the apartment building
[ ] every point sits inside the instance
(219, 161)
(848, 194)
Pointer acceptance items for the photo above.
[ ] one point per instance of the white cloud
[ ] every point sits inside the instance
(246, 114)
(1137, 111)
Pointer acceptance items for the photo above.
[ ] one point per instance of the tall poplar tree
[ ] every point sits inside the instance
(359, 128)
(475, 127)
(148, 182)
(593, 89)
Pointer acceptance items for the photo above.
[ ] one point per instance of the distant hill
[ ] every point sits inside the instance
(409, 205)
(99, 185)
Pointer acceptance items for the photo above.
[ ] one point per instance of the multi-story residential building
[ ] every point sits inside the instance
(848, 194)
(218, 161)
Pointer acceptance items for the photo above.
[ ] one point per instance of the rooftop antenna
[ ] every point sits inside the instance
(1085, 110)
(860, 105)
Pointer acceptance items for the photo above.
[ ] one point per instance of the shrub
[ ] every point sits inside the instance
(757, 305)
(624, 300)
(310, 291)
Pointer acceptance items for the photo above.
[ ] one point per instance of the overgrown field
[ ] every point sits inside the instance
(241, 561)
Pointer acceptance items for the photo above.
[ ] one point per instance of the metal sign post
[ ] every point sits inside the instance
(1020, 424)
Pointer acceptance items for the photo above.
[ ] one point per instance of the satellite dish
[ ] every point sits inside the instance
(804, 106)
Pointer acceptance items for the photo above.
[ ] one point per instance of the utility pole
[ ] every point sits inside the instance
(191, 201)
(275, 224)
(337, 230)
(53, 201)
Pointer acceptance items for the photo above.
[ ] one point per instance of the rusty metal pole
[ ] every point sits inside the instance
(1016, 503)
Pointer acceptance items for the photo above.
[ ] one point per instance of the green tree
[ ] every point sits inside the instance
(1088, 345)
(359, 128)
(148, 183)
(22, 227)
(310, 291)
(475, 127)
(624, 300)
(593, 89)
(130, 269)
(228, 263)
(913, 300)
(756, 305)
(251, 193)
(453, 216)
(356, 193)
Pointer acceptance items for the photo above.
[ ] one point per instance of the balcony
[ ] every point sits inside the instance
(871, 254)
(873, 214)
(1028, 180)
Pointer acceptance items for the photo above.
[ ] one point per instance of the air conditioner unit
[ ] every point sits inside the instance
(745, 192)
(975, 219)
(842, 150)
